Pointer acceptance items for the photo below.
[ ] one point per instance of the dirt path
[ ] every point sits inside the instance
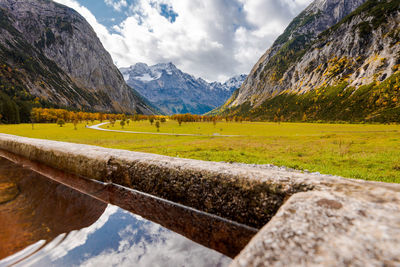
(97, 127)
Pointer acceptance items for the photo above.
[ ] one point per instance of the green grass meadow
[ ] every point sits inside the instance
(362, 151)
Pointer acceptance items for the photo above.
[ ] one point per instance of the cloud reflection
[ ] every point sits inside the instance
(120, 238)
(61, 245)
(152, 245)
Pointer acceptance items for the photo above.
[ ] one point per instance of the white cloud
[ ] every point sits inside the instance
(156, 247)
(63, 244)
(213, 39)
(140, 243)
(117, 5)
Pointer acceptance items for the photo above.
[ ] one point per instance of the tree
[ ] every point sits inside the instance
(122, 124)
(304, 117)
(214, 121)
(60, 122)
(9, 109)
(112, 121)
(163, 120)
(128, 121)
(158, 126)
(32, 117)
(151, 120)
(75, 123)
(101, 117)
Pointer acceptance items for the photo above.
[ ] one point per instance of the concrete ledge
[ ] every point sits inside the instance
(244, 194)
(313, 219)
(330, 229)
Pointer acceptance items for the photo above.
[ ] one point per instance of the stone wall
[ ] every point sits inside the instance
(309, 219)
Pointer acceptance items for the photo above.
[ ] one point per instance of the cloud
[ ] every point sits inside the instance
(64, 243)
(152, 245)
(117, 5)
(213, 39)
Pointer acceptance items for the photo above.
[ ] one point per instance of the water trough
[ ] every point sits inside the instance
(306, 219)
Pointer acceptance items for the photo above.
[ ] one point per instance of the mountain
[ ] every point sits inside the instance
(174, 91)
(338, 60)
(50, 55)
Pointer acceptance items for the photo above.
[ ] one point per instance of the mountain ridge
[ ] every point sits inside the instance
(57, 59)
(359, 51)
(316, 18)
(174, 91)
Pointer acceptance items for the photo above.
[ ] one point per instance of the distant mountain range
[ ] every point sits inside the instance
(337, 60)
(174, 91)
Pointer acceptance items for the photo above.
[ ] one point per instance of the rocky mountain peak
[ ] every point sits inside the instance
(168, 68)
(316, 18)
(139, 67)
(235, 81)
(174, 91)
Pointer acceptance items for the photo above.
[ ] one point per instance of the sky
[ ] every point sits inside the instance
(211, 39)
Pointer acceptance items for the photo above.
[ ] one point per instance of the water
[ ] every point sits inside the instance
(47, 223)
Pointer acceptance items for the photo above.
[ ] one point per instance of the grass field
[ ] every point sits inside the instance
(370, 152)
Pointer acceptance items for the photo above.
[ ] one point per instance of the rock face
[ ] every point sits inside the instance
(174, 91)
(328, 54)
(307, 219)
(52, 53)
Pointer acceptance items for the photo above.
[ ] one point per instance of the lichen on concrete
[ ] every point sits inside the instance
(329, 229)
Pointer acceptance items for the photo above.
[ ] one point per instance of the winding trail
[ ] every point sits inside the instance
(97, 127)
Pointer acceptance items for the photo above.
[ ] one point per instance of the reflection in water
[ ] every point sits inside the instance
(42, 210)
(53, 225)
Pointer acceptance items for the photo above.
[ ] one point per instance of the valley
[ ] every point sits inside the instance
(362, 151)
(200, 133)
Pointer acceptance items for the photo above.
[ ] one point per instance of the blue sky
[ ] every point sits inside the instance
(212, 39)
(111, 13)
(104, 14)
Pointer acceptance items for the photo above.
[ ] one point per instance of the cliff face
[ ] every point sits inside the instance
(265, 77)
(323, 58)
(56, 56)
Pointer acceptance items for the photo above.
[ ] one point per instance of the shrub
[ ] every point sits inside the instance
(60, 122)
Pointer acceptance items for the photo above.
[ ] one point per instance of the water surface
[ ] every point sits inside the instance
(50, 224)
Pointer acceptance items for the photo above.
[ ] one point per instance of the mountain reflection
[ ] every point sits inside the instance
(42, 210)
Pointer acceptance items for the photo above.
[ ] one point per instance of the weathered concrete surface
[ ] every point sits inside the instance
(330, 229)
(322, 220)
